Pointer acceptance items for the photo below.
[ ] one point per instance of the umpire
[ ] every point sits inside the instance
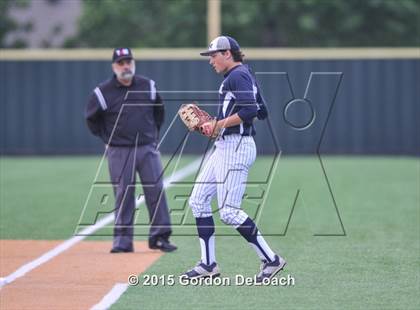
(129, 123)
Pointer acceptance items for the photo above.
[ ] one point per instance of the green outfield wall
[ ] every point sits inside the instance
(332, 101)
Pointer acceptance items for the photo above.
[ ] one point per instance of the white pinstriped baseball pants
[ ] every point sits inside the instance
(225, 173)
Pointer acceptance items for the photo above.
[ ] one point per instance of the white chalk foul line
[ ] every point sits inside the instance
(113, 295)
(179, 175)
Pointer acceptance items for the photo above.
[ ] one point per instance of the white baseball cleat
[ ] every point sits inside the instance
(270, 269)
(202, 270)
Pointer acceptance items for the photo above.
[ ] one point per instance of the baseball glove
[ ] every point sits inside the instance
(193, 117)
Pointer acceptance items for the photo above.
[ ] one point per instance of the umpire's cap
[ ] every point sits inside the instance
(221, 44)
(121, 53)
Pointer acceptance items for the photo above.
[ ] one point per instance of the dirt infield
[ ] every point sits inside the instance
(75, 279)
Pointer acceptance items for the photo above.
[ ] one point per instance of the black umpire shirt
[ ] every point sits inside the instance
(132, 115)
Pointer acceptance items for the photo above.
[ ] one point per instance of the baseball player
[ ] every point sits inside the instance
(225, 173)
(131, 147)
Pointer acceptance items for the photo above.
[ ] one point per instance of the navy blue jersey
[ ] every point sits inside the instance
(240, 93)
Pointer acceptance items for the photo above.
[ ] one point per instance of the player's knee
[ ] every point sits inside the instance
(232, 216)
(199, 207)
(194, 201)
(226, 219)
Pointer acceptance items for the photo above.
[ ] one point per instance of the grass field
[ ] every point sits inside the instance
(376, 265)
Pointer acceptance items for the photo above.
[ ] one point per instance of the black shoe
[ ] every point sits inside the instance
(161, 243)
(120, 250)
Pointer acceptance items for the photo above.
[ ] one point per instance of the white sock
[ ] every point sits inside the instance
(264, 252)
(208, 255)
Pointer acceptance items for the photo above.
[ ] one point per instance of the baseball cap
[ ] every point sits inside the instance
(221, 43)
(121, 53)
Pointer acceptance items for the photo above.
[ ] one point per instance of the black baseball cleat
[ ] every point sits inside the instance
(161, 243)
(121, 250)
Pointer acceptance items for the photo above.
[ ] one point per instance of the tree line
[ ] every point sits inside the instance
(256, 23)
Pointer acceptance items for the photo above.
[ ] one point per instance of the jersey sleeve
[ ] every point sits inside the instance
(244, 96)
(262, 112)
(158, 108)
(159, 111)
(93, 116)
